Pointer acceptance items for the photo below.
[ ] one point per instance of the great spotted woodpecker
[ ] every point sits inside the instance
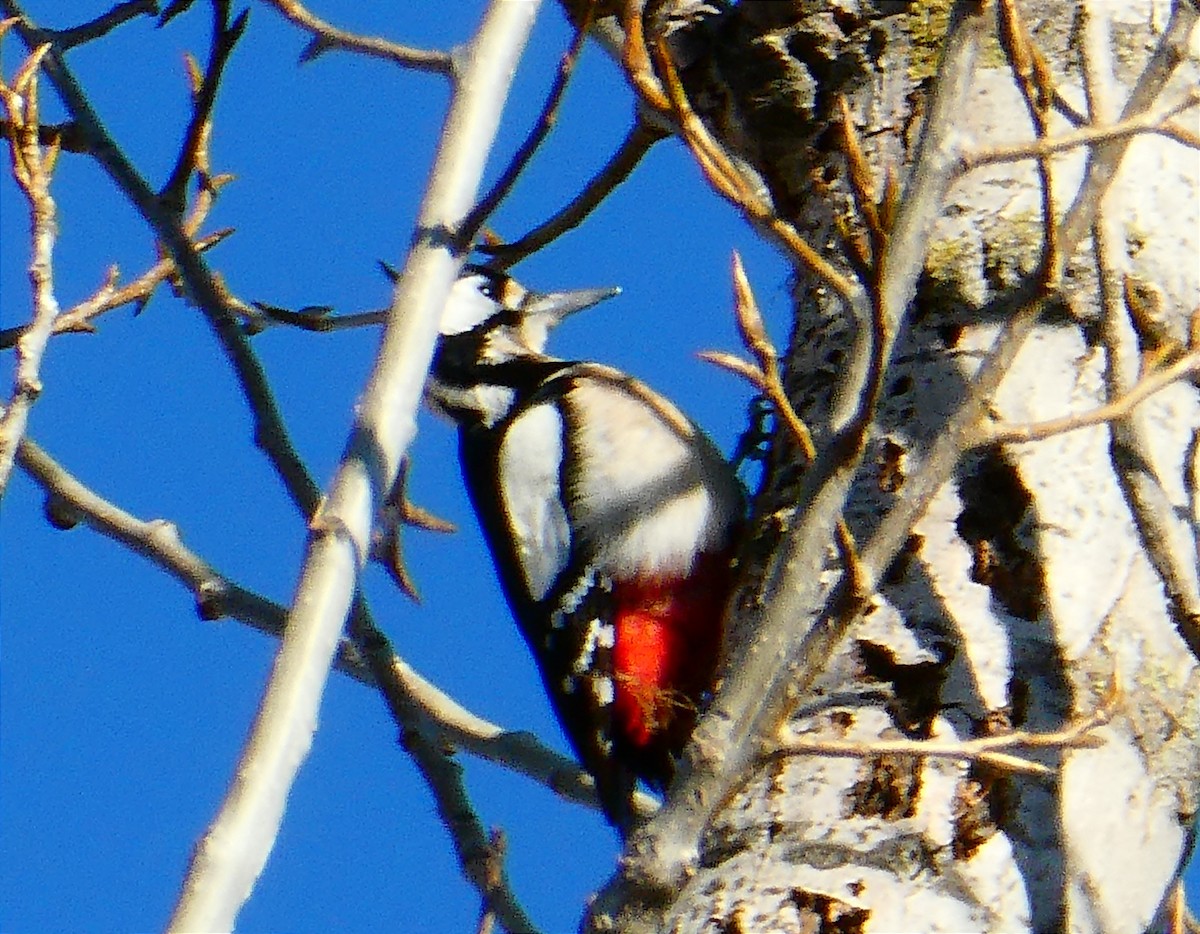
(610, 518)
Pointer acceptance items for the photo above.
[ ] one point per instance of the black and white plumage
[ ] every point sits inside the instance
(610, 519)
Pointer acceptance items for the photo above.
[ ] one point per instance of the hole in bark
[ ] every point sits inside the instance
(995, 503)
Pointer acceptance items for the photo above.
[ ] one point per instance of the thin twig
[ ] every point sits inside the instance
(326, 37)
(862, 188)
(767, 378)
(78, 318)
(636, 58)
(537, 135)
(991, 433)
(1155, 122)
(989, 750)
(66, 136)
(192, 150)
(1033, 80)
(633, 148)
(444, 778)
(103, 24)
(731, 182)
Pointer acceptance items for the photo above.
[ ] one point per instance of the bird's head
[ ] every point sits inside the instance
(493, 338)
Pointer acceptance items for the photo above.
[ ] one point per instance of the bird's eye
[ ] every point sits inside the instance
(489, 290)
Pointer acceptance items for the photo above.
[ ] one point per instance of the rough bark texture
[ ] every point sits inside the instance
(1027, 587)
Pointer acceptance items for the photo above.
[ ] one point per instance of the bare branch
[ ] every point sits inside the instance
(103, 24)
(1035, 83)
(994, 750)
(635, 145)
(194, 148)
(537, 135)
(1157, 122)
(270, 433)
(66, 136)
(326, 37)
(32, 167)
(732, 183)
(234, 850)
(989, 433)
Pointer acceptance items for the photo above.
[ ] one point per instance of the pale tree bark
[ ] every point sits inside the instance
(1031, 584)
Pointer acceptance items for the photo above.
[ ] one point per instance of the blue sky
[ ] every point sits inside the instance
(121, 713)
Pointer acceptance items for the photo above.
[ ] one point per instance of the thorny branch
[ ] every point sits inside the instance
(225, 36)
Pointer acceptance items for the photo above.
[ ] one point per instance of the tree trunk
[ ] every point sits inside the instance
(1049, 586)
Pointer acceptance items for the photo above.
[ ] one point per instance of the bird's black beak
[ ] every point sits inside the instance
(555, 306)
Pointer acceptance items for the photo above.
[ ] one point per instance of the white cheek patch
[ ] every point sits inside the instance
(466, 307)
(531, 455)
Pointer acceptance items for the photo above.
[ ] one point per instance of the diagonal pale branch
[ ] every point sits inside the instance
(32, 167)
(70, 502)
(233, 852)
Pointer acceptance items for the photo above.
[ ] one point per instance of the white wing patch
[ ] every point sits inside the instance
(532, 452)
(651, 489)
